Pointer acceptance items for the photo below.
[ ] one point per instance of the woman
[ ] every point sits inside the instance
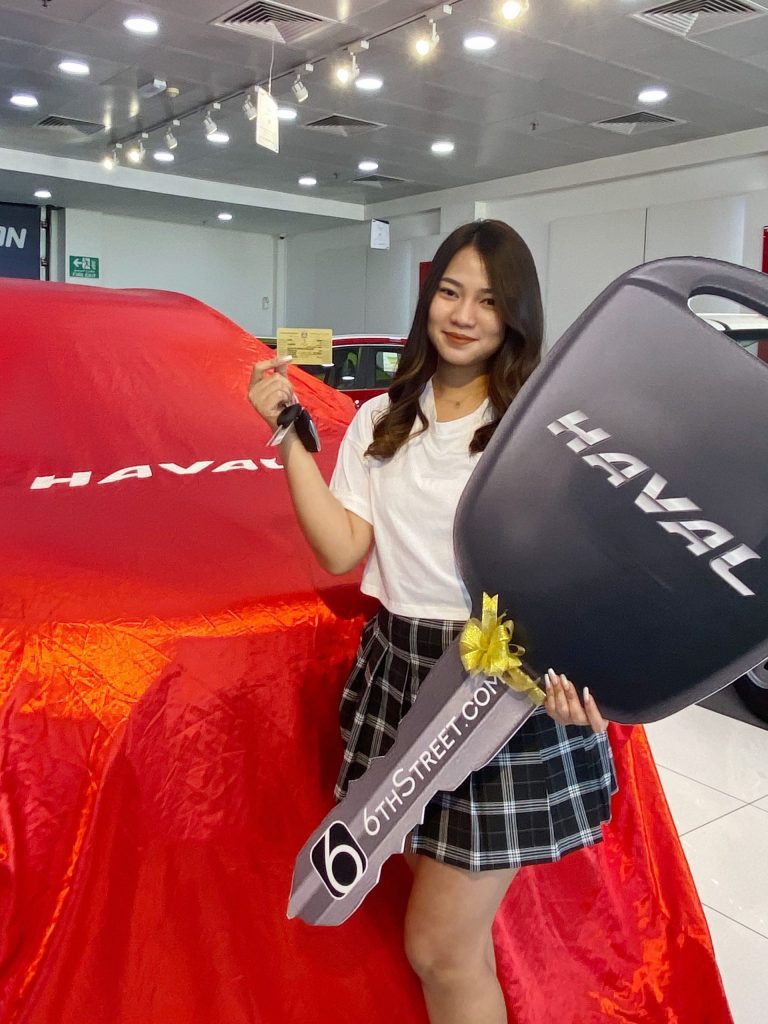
(406, 457)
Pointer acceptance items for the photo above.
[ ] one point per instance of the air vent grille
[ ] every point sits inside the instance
(633, 124)
(378, 180)
(275, 22)
(340, 124)
(694, 17)
(84, 127)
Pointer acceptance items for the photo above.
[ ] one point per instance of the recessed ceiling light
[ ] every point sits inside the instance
(307, 181)
(287, 113)
(479, 43)
(163, 156)
(219, 137)
(141, 26)
(74, 67)
(224, 216)
(24, 99)
(442, 147)
(368, 83)
(42, 193)
(367, 165)
(655, 95)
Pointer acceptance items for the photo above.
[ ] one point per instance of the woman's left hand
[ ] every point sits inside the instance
(562, 703)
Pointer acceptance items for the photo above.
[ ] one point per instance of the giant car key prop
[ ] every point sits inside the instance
(620, 513)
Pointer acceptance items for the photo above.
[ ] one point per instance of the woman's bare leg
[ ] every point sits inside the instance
(448, 940)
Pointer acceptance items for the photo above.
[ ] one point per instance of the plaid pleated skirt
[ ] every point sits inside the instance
(547, 792)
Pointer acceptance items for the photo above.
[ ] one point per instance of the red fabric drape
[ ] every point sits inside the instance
(171, 662)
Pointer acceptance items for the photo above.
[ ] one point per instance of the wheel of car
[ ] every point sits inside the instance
(753, 690)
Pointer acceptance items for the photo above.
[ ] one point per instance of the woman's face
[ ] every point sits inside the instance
(463, 324)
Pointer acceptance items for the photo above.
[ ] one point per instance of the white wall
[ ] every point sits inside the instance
(610, 228)
(584, 255)
(334, 278)
(230, 270)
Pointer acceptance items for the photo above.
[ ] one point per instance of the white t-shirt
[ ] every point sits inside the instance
(410, 500)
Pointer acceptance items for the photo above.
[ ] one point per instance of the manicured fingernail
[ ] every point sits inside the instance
(566, 684)
(547, 682)
(587, 695)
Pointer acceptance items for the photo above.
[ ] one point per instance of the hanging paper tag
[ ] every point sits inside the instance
(267, 123)
(379, 234)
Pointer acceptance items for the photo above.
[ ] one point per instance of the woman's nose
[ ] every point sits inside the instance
(464, 312)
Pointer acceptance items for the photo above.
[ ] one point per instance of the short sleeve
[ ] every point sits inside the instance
(351, 482)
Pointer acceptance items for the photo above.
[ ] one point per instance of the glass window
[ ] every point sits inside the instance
(346, 364)
(387, 361)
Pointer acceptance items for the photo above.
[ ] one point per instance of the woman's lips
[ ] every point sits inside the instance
(457, 337)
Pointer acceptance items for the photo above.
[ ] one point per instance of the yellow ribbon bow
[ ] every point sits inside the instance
(486, 649)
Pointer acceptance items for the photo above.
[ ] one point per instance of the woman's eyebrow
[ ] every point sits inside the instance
(458, 284)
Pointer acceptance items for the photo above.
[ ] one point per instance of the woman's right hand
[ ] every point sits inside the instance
(269, 390)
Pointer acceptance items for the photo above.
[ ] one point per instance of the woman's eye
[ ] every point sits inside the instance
(490, 302)
(444, 290)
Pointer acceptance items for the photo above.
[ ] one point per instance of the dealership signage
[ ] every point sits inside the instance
(19, 241)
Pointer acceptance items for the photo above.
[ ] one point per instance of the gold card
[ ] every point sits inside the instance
(308, 345)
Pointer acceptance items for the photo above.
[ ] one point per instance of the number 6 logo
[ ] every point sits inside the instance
(339, 860)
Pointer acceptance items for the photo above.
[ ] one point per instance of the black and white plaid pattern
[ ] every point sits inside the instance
(545, 793)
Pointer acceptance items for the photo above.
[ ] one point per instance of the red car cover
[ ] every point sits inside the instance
(171, 663)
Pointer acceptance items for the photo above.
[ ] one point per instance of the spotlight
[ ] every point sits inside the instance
(347, 70)
(425, 44)
(209, 124)
(224, 216)
(170, 139)
(299, 90)
(136, 152)
(110, 160)
(42, 193)
(512, 9)
(249, 108)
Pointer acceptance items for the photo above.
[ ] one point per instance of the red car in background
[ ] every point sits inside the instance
(363, 364)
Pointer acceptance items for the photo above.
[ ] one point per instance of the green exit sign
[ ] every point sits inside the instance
(84, 266)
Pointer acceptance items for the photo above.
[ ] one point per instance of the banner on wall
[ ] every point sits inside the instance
(19, 241)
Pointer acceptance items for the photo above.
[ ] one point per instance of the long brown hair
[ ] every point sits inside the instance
(517, 295)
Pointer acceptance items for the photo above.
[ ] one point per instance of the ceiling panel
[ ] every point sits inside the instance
(566, 64)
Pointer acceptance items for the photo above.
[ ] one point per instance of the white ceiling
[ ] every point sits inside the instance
(526, 105)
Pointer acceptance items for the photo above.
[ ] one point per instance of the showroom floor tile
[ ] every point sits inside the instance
(714, 770)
